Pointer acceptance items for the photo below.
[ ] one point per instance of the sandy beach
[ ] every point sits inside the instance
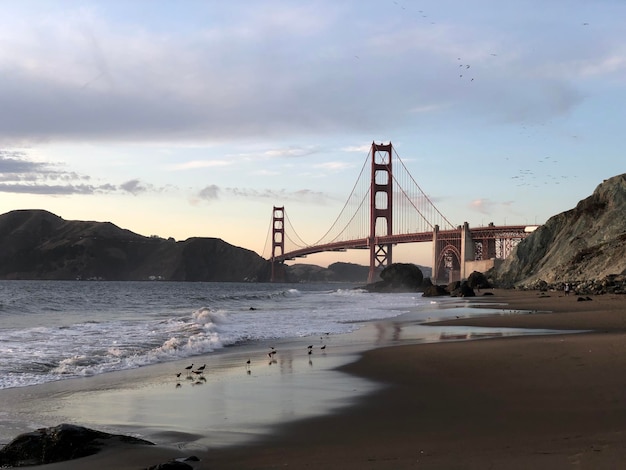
(545, 402)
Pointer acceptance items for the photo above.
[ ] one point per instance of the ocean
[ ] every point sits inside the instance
(56, 330)
(126, 346)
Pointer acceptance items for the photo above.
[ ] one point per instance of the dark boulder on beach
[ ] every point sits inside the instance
(36, 244)
(172, 465)
(460, 289)
(403, 274)
(454, 289)
(477, 280)
(463, 290)
(398, 277)
(433, 290)
(58, 444)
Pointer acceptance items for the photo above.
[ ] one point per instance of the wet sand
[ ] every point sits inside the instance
(543, 402)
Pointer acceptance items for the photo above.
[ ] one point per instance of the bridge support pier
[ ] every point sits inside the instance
(447, 258)
(435, 269)
(467, 249)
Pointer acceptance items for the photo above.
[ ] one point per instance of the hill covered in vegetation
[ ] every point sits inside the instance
(36, 244)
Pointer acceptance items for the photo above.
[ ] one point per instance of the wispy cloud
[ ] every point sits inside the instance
(333, 166)
(51, 190)
(214, 192)
(21, 175)
(135, 187)
(489, 207)
(265, 172)
(291, 152)
(357, 148)
(15, 165)
(209, 193)
(429, 108)
(194, 165)
(484, 206)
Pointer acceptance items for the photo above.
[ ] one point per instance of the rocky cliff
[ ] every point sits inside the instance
(584, 244)
(36, 244)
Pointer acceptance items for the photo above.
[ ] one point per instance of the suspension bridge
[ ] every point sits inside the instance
(387, 207)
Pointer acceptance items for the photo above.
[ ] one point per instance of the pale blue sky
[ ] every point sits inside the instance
(194, 118)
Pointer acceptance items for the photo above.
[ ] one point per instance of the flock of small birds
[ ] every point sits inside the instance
(196, 376)
(272, 352)
(471, 74)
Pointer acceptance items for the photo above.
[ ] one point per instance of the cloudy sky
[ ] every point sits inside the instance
(193, 118)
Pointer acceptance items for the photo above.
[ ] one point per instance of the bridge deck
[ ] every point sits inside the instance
(506, 232)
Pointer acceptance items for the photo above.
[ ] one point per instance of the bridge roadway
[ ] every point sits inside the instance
(490, 232)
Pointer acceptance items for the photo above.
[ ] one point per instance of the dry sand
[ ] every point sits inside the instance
(541, 402)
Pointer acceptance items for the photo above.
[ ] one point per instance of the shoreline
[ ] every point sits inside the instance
(543, 402)
(548, 401)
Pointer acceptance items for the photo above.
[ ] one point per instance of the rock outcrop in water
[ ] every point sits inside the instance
(36, 244)
(583, 246)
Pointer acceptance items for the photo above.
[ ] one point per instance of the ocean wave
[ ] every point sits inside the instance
(351, 292)
(127, 326)
(145, 344)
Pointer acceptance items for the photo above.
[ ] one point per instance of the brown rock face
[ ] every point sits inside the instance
(582, 244)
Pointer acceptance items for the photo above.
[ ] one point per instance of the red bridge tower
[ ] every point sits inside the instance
(278, 243)
(381, 199)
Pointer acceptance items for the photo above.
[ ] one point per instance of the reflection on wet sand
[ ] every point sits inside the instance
(393, 332)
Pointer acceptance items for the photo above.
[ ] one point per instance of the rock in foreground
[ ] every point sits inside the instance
(398, 277)
(58, 444)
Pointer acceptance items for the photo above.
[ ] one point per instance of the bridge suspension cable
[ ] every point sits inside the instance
(352, 210)
(419, 201)
(300, 243)
(267, 248)
(413, 211)
(398, 211)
